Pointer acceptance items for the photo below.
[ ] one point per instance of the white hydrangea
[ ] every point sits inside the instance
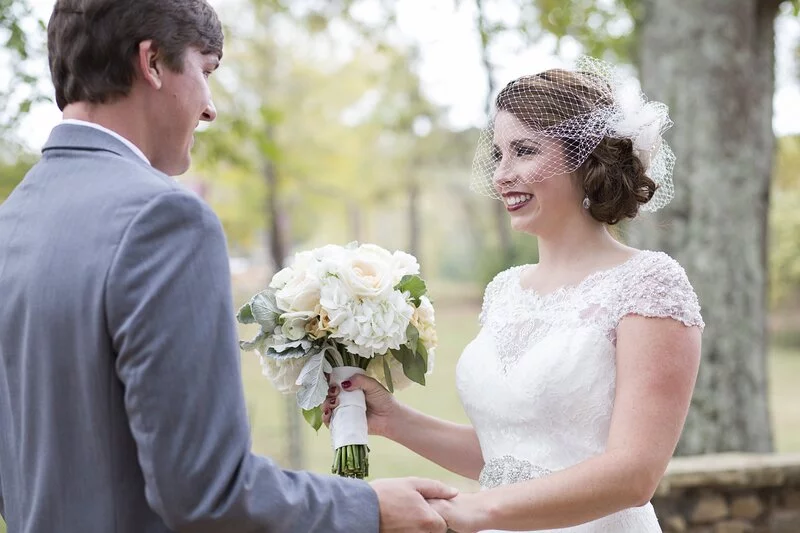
(366, 327)
(283, 372)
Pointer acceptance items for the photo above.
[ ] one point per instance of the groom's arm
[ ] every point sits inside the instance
(171, 319)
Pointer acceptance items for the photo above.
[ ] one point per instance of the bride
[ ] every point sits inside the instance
(579, 381)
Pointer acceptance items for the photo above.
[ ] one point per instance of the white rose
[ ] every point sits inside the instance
(404, 264)
(303, 260)
(300, 293)
(281, 278)
(283, 373)
(328, 252)
(367, 271)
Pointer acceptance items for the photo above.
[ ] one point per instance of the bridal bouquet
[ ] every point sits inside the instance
(343, 310)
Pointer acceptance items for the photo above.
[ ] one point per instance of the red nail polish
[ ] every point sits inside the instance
(332, 401)
(327, 411)
(346, 384)
(331, 390)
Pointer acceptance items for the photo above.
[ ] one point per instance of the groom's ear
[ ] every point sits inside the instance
(150, 64)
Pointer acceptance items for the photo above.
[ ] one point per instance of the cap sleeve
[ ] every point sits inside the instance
(660, 289)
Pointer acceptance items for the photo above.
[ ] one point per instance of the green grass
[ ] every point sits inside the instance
(457, 324)
(784, 373)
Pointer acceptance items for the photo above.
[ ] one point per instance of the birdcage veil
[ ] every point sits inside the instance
(573, 111)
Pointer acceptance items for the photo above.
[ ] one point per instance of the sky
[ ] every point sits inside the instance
(450, 66)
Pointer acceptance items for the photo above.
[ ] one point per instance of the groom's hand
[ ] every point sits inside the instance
(403, 505)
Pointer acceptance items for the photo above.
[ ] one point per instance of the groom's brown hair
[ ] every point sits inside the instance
(92, 44)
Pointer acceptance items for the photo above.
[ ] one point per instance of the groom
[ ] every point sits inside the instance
(121, 403)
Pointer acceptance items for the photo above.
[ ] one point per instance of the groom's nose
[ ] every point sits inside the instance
(210, 113)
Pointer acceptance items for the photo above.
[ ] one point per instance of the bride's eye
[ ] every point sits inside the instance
(523, 151)
(496, 155)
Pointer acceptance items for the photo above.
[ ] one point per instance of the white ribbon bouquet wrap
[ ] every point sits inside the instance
(349, 420)
(335, 312)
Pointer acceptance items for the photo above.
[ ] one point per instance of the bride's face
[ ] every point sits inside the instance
(535, 198)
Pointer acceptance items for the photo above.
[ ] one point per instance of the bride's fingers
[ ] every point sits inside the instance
(333, 392)
(359, 381)
(331, 403)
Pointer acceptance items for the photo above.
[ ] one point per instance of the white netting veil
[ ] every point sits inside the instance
(549, 123)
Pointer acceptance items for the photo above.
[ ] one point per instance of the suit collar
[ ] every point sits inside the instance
(84, 138)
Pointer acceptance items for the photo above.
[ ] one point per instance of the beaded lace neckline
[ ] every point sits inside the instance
(647, 283)
(603, 272)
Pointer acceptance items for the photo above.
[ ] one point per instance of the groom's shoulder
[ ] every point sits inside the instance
(126, 194)
(134, 187)
(166, 200)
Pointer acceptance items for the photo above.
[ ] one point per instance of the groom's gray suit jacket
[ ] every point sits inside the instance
(121, 404)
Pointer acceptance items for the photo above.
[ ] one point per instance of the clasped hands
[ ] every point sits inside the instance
(414, 505)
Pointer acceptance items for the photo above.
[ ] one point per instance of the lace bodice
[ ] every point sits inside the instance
(538, 380)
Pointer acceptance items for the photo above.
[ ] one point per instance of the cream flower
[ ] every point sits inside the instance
(367, 272)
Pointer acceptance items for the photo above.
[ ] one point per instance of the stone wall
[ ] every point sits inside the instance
(730, 493)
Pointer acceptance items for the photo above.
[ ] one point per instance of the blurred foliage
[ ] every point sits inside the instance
(14, 163)
(341, 133)
(784, 244)
(23, 39)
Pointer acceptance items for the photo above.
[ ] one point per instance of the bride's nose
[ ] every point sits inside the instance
(504, 177)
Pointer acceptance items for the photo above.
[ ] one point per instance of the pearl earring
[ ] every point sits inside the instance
(586, 202)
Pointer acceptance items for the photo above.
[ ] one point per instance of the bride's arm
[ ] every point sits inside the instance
(450, 445)
(657, 364)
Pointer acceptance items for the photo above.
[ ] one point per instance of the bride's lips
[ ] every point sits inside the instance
(514, 201)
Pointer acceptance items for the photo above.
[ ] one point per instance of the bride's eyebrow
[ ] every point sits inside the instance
(527, 143)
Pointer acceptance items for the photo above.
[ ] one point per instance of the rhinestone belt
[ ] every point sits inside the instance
(507, 470)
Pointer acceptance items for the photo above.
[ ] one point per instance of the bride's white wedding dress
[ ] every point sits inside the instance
(538, 380)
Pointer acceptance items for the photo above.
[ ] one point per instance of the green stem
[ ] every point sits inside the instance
(351, 461)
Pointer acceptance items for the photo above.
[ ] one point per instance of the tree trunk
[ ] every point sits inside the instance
(414, 224)
(278, 248)
(712, 62)
(354, 216)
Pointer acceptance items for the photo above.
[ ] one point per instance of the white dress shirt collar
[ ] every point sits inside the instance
(135, 149)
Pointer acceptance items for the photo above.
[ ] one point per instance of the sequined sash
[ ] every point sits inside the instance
(507, 470)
